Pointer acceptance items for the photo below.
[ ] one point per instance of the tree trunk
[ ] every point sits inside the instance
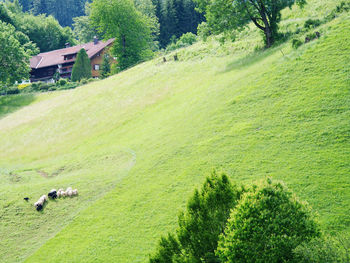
(269, 36)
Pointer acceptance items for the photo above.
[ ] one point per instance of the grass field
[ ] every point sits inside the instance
(138, 143)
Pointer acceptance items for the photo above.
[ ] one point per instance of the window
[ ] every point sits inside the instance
(96, 67)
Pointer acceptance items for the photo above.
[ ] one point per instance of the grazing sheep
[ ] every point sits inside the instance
(69, 189)
(70, 193)
(63, 194)
(75, 192)
(53, 194)
(59, 194)
(40, 203)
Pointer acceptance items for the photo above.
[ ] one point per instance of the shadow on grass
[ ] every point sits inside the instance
(11, 103)
(250, 59)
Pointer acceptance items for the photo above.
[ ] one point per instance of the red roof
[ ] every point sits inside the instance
(56, 57)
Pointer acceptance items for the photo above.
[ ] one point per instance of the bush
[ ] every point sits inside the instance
(266, 226)
(200, 226)
(184, 41)
(296, 43)
(9, 90)
(323, 250)
(62, 82)
(312, 23)
(203, 31)
(83, 81)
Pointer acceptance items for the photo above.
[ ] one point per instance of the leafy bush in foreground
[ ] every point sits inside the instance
(266, 225)
(202, 223)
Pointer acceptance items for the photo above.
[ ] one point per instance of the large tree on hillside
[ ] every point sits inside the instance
(82, 66)
(119, 19)
(226, 16)
(14, 61)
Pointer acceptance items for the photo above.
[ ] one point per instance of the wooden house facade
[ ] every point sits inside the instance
(45, 65)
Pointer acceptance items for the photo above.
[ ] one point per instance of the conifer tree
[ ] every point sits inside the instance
(82, 67)
(105, 66)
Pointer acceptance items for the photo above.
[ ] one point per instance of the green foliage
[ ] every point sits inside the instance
(202, 223)
(228, 17)
(45, 32)
(82, 66)
(62, 82)
(105, 66)
(176, 17)
(324, 250)
(312, 23)
(14, 60)
(296, 43)
(83, 81)
(4, 15)
(84, 30)
(63, 10)
(184, 41)
(132, 30)
(266, 225)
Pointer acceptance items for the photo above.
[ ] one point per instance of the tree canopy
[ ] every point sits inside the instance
(226, 16)
(266, 225)
(201, 225)
(14, 60)
(82, 66)
(119, 19)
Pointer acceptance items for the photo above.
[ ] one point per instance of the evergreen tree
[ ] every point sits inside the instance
(82, 67)
(105, 66)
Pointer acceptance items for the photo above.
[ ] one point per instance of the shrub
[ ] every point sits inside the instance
(202, 223)
(5, 90)
(312, 23)
(266, 226)
(296, 43)
(203, 31)
(62, 82)
(22, 86)
(83, 81)
(184, 41)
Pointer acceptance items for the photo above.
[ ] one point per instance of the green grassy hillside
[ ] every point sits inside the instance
(136, 145)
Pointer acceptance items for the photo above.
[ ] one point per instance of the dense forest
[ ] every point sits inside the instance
(173, 17)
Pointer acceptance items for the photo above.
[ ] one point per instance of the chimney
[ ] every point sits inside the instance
(95, 40)
(67, 45)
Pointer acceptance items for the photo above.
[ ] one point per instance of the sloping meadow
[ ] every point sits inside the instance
(137, 144)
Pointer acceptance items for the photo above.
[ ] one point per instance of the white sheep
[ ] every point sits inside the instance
(69, 193)
(63, 194)
(40, 203)
(69, 189)
(75, 192)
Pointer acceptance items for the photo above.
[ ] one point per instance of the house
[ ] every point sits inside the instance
(45, 65)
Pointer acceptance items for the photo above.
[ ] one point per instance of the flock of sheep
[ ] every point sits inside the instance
(55, 194)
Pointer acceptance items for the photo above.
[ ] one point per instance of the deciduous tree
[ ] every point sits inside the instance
(226, 16)
(201, 225)
(14, 61)
(266, 225)
(119, 19)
